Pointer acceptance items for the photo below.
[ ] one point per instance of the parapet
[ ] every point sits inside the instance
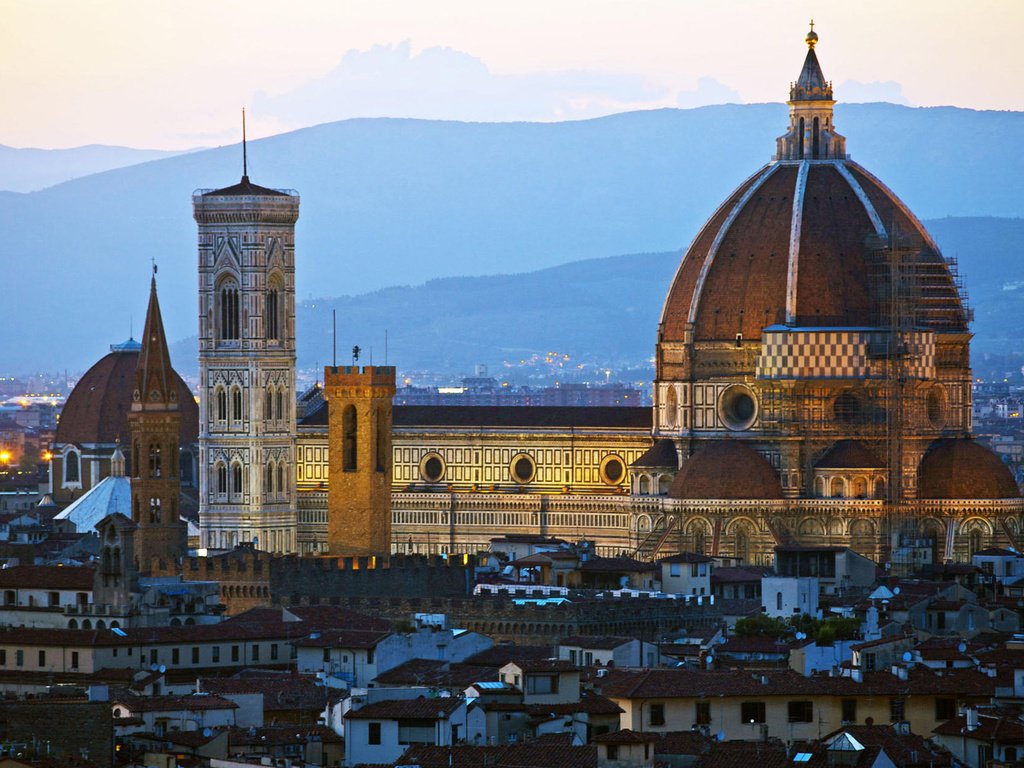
(353, 375)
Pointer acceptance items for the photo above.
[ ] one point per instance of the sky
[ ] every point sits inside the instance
(165, 75)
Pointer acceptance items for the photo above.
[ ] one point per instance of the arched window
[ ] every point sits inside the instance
(838, 488)
(800, 153)
(236, 479)
(815, 140)
(222, 479)
(382, 440)
(72, 470)
(268, 414)
(348, 440)
(280, 404)
(222, 404)
(269, 490)
(228, 298)
(671, 407)
(154, 509)
(136, 467)
(741, 546)
(154, 460)
(975, 541)
(282, 488)
(273, 330)
(236, 404)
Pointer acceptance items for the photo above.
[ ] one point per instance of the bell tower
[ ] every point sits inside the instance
(359, 459)
(247, 366)
(155, 424)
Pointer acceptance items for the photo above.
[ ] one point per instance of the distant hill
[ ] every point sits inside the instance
(27, 170)
(601, 311)
(391, 202)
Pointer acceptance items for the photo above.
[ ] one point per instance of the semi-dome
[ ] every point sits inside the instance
(799, 242)
(97, 409)
(959, 468)
(849, 454)
(726, 469)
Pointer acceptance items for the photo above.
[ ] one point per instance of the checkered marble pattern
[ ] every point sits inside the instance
(795, 353)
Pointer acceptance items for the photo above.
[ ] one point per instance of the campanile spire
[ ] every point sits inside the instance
(811, 134)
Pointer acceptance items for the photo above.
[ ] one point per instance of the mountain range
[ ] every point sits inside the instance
(30, 169)
(389, 202)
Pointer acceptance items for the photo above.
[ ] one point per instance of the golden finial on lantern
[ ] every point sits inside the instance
(812, 36)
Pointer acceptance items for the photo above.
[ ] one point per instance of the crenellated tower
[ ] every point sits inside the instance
(247, 365)
(155, 425)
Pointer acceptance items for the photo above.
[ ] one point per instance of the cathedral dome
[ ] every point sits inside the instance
(798, 242)
(726, 469)
(97, 409)
(963, 469)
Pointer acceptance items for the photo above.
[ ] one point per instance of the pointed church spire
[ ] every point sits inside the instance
(154, 382)
(811, 134)
(245, 154)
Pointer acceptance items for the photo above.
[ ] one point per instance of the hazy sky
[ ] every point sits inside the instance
(175, 74)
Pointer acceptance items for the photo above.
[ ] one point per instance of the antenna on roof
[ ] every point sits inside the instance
(245, 159)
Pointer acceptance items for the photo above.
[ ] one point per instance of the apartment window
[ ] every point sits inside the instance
(273, 651)
(54, 599)
(42, 658)
(327, 655)
(674, 569)
(752, 712)
(656, 714)
(234, 653)
(74, 659)
(255, 652)
(849, 710)
(801, 712)
(542, 684)
(152, 655)
(572, 656)
(369, 659)
(215, 654)
(19, 658)
(175, 656)
(3, 657)
(373, 733)
(195, 654)
(945, 709)
(897, 709)
(613, 751)
(869, 662)
(702, 713)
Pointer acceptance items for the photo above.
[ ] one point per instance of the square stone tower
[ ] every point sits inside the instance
(359, 459)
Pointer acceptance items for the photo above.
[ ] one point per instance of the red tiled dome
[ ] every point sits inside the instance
(726, 469)
(849, 454)
(960, 468)
(97, 409)
(748, 257)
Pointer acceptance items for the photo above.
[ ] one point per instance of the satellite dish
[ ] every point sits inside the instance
(895, 590)
(207, 732)
(962, 647)
(907, 656)
(709, 660)
(163, 668)
(720, 735)
(153, 667)
(800, 635)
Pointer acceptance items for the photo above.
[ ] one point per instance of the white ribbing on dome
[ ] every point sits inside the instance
(720, 236)
(794, 241)
(876, 220)
(901, 205)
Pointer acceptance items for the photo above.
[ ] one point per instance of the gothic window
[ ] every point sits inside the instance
(273, 315)
(671, 408)
(72, 470)
(154, 510)
(348, 432)
(269, 490)
(236, 479)
(268, 403)
(382, 440)
(135, 459)
(154, 460)
(281, 487)
(280, 404)
(815, 141)
(229, 310)
(222, 479)
(222, 404)
(236, 404)
(800, 154)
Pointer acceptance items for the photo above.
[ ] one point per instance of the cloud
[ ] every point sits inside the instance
(708, 91)
(442, 83)
(854, 92)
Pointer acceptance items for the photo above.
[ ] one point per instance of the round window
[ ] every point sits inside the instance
(737, 407)
(936, 406)
(848, 408)
(523, 468)
(612, 470)
(432, 468)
